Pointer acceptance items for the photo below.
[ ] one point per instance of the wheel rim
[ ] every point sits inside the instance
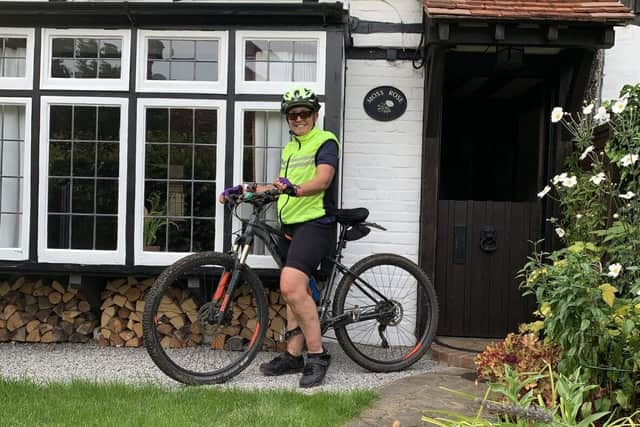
(398, 323)
(200, 349)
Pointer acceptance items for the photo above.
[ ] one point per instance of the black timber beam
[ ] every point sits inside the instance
(450, 32)
(32, 268)
(125, 14)
(359, 26)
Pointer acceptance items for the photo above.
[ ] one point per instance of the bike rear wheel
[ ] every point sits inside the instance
(401, 325)
(176, 328)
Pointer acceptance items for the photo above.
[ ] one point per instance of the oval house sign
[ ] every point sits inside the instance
(385, 103)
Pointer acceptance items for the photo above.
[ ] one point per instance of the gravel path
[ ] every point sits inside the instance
(64, 362)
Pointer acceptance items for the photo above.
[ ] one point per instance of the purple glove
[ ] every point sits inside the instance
(289, 188)
(236, 189)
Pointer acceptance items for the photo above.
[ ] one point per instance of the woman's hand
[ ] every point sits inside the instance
(286, 187)
(236, 189)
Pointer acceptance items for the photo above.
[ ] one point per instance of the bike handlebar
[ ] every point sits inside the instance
(253, 198)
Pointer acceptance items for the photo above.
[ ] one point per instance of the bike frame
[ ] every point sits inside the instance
(253, 227)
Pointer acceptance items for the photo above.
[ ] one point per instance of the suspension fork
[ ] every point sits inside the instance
(229, 281)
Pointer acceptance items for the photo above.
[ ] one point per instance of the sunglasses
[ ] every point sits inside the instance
(304, 115)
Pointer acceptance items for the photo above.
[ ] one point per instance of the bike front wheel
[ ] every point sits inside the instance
(178, 328)
(391, 310)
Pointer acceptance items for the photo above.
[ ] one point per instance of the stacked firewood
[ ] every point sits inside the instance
(277, 322)
(122, 308)
(38, 311)
(244, 321)
(121, 312)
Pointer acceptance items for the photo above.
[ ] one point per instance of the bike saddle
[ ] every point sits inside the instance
(352, 216)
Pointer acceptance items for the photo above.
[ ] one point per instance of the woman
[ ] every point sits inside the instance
(307, 214)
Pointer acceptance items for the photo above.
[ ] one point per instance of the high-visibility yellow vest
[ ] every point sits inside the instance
(298, 165)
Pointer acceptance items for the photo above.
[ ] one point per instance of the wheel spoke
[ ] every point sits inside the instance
(400, 281)
(190, 349)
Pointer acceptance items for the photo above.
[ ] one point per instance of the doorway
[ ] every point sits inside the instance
(492, 162)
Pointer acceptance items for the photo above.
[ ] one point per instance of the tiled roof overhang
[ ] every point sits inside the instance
(603, 11)
(548, 23)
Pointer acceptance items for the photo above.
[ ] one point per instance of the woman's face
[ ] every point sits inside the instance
(301, 120)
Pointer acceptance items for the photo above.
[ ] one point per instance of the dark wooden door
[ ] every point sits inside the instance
(492, 155)
(476, 281)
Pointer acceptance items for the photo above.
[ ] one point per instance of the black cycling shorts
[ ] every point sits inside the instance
(311, 242)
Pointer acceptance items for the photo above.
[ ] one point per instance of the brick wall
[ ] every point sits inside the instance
(381, 169)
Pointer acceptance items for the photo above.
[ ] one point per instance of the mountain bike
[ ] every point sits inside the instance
(383, 310)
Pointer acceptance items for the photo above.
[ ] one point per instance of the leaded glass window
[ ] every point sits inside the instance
(265, 134)
(184, 60)
(83, 177)
(86, 58)
(12, 143)
(180, 179)
(13, 56)
(280, 60)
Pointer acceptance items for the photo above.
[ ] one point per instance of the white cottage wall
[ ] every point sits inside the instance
(382, 160)
(392, 11)
(622, 61)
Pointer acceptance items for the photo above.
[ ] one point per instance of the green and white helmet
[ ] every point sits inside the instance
(299, 97)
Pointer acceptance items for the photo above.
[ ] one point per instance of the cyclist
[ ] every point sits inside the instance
(307, 215)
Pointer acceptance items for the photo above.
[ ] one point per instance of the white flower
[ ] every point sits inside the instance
(587, 110)
(619, 106)
(570, 182)
(559, 178)
(585, 152)
(614, 270)
(578, 216)
(602, 116)
(616, 216)
(560, 232)
(544, 192)
(597, 179)
(629, 159)
(556, 114)
(628, 195)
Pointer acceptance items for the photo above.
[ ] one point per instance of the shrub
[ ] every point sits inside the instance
(523, 353)
(588, 293)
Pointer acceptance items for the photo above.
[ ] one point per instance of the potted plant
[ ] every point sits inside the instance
(154, 218)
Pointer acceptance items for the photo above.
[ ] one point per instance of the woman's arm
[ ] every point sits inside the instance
(320, 182)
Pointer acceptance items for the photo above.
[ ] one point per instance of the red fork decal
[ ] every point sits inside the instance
(225, 302)
(222, 286)
(412, 352)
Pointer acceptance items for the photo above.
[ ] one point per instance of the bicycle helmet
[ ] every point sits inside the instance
(297, 97)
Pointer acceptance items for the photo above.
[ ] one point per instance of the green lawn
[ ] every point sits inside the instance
(23, 403)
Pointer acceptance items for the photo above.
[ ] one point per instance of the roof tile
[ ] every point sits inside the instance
(551, 10)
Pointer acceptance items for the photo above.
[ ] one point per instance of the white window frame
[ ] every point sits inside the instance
(22, 252)
(48, 82)
(172, 86)
(142, 257)
(255, 261)
(25, 82)
(243, 86)
(81, 256)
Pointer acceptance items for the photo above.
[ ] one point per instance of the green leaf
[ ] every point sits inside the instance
(608, 293)
(585, 324)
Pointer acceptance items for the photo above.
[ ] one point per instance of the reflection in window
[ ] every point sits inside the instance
(280, 60)
(186, 60)
(12, 123)
(83, 177)
(265, 133)
(13, 57)
(86, 58)
(180, 171)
